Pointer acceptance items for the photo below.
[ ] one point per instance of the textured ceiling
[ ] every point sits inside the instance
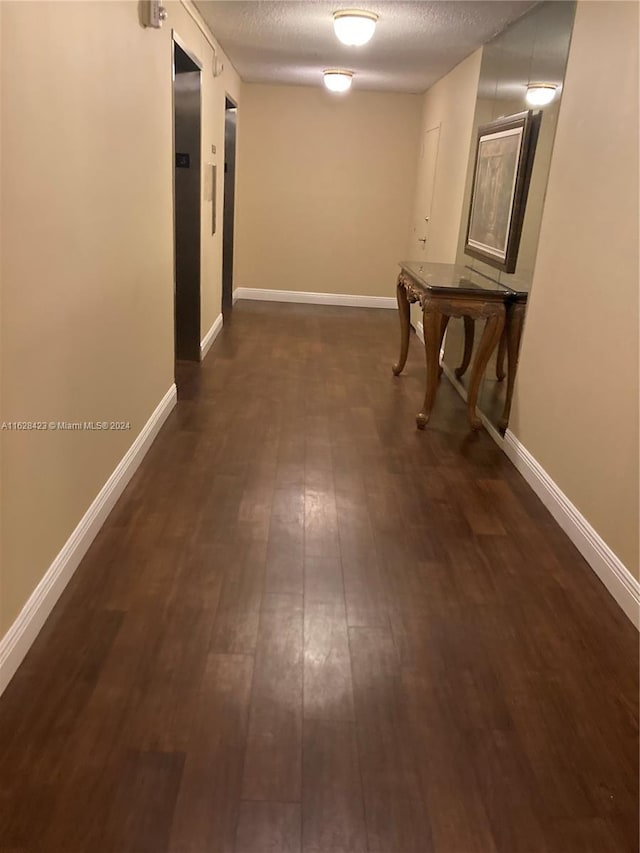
(415, 44)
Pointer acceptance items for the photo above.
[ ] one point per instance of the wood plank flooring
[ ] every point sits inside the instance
(308, 627)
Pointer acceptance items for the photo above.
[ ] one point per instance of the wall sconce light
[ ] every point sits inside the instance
(354, 27)
(540, 94)
(337, 80)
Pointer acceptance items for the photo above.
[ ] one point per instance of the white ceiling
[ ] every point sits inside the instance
(415, 44)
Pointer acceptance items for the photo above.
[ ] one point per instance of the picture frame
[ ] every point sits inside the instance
(503, 163)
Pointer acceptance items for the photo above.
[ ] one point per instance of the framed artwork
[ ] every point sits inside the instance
(504, 159)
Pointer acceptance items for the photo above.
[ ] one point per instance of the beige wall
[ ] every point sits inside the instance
(324, 189)
(2, 443)
(576, 397)
(449, 103)
(87, 255)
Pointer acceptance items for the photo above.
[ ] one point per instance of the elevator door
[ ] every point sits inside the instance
(187, 118)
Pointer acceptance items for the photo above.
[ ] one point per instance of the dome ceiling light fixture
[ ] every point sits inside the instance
(337, 79)
(354, 27)
(540, 94)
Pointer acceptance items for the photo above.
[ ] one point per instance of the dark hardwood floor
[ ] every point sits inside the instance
(308, 626)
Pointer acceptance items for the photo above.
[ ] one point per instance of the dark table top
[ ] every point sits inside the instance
(442, 278)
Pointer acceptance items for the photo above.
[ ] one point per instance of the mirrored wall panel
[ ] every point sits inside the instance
(531, 51)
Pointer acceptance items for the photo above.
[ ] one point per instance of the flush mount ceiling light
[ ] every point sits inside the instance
(337, 79)
(354, 27)
(540, 94)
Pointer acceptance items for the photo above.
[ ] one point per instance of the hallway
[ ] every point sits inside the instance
(307, 626)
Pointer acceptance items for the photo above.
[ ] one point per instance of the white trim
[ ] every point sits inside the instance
(212, 334)
(235, 296)
(616, 577)
(19, 638)
(346, 299)
(622, 585)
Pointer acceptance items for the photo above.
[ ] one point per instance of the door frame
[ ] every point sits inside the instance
(176, 39)
(423, 136)
(232, 100)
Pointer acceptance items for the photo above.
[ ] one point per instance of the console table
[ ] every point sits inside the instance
(449, 290)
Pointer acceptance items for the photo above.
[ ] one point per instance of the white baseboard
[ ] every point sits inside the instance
(345, 299)
(234, 296)
(209, 338)
(622, 585)
(18, 640)
(618, 580)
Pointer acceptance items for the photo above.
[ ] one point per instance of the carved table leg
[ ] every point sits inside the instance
(490, 337)
(469, 334)
(432, 326)
(515, 318)
(444, 322)
(502, 349)
(403, 313)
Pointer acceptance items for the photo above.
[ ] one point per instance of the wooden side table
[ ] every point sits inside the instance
(509, 347)
(444, 291)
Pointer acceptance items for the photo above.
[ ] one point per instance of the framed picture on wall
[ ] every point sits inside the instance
(504, 159)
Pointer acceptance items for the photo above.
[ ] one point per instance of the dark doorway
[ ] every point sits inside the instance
(187, 158)
(230, 128)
